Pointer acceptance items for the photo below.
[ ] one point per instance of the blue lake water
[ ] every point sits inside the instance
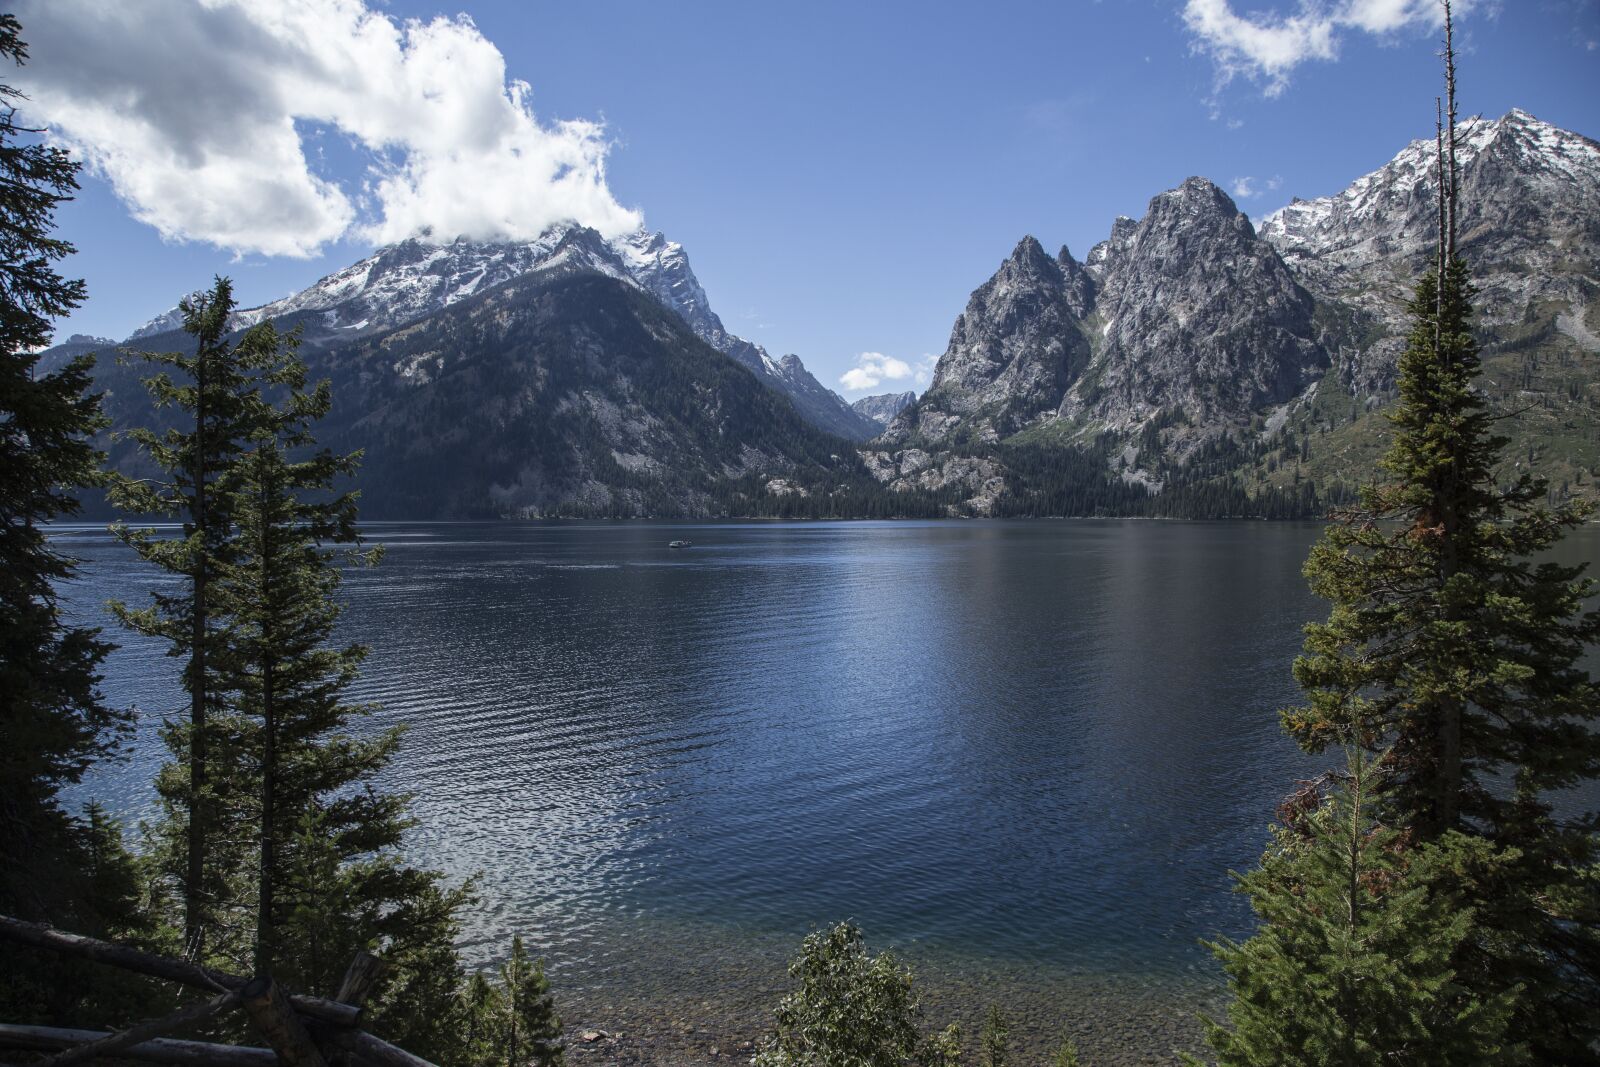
(1025, 755)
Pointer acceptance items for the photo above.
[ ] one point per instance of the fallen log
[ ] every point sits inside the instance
(173, 970)
(377, 1051)
(144, 1031)
(155, 1050)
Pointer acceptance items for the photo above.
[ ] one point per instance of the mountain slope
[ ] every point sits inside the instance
(417, 277)
(1530, 228)
(559, 391)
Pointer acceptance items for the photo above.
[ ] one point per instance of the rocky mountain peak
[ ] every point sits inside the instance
(1029, 257)
(1199, 207)
(1198, 315)
(1101, 254)
(420, 276)
(1528, 190)
(1012, 352)
(1078, 284)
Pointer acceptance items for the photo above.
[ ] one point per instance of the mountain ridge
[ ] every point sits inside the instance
(1263, 356)
(410, 279)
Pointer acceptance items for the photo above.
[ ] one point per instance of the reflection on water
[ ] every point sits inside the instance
(1005, 748)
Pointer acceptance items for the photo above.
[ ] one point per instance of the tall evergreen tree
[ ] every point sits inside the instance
(218, 400)
(280, 676)
(316, 847)
(1457, 658)
(54, 723)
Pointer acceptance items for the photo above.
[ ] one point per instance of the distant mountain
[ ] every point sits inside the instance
(403, 282)
(1192, 352)
(1191, 364)
(559, 391)
(884, 407)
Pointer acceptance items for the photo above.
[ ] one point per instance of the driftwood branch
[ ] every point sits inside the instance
(156, 1050)
(269, 1009)
(173, 970)
(144, 1031)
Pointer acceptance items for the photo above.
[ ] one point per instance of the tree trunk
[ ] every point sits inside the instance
(266, 931)
(194, 912)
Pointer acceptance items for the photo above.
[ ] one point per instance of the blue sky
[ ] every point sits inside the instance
(842, 175)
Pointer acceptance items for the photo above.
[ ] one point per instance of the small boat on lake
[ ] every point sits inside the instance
(679, 544)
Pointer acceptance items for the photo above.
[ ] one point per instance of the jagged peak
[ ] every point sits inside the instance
(1199, 192)
(1064, 257)
(1028, 250)
(1029, 259)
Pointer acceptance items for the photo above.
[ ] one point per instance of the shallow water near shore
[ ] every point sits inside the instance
(1024, 755)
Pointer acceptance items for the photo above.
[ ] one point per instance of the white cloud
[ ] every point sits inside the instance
(1267, 46)
(925, 368)
(873, 369)
(198, 114)
(1250, 187)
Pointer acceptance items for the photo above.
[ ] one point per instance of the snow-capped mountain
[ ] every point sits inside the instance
(1530, 228)
(403, 282)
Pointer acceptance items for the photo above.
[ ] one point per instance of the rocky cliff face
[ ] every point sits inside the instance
(1529, 227)
(1184, 317)
(1012, 354)
(1195, 315)
(882, 408)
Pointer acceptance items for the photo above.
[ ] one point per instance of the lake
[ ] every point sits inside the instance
(1024, 755)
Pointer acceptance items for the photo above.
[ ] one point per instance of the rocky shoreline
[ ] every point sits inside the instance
(1114, 1030)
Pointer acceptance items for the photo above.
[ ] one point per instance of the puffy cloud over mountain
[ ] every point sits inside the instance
(277, 126)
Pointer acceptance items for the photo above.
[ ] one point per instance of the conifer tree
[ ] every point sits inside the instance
(512, 1022)
(1456, 657)
(1355, 960)
(482, 1007)
(281, 678)
(218, 404)
(54, 724)
(316, 847)
(532, 1028)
